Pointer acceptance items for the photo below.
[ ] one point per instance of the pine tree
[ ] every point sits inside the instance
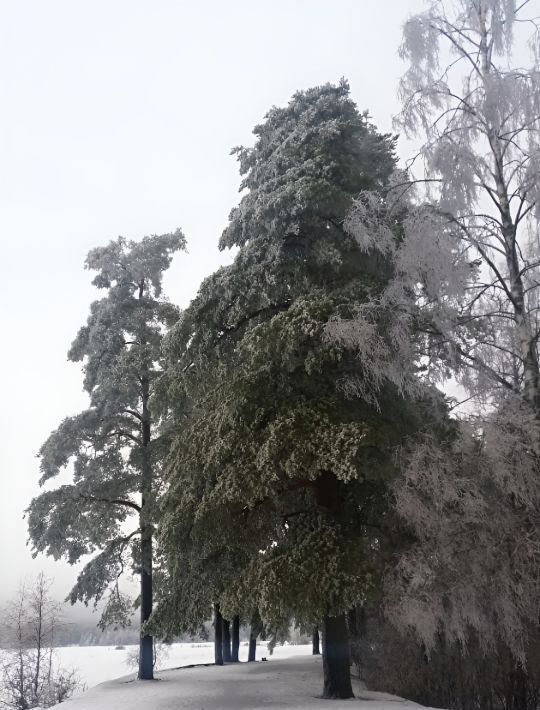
(276, 475)
(116, 446)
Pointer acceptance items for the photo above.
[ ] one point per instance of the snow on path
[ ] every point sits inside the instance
(280, 683)
(97, 664)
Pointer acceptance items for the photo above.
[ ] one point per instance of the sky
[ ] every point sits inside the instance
(118, 117)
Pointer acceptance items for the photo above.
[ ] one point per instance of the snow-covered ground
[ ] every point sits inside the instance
(96, 664)
(280, 683)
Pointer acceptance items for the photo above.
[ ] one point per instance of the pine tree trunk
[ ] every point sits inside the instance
(218, 636)
(226, 641)
(252, 651)
(235, 641)
(255, 630)
(336, 661)
(146, 646)
(315, 642)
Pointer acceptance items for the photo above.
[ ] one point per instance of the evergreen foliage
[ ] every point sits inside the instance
(116, 446)
(276, 476)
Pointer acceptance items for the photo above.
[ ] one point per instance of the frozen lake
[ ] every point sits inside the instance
(96, 664)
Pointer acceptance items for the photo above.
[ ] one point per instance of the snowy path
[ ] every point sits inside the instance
(97, 664)
(278, 683)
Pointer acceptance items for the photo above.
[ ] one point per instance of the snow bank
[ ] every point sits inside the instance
(279, 683)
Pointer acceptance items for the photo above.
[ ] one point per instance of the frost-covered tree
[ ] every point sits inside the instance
(473, 505)
(30, 674)
(464, 300)
(469, 257)
(480, 115)
(276, 476)
(114, 450)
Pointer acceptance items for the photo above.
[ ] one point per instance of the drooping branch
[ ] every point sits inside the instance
(111, 501)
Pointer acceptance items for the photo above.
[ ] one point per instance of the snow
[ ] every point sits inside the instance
(280, 683)
(96, 664)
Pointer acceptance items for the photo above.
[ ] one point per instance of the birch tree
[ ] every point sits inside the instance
(115, 448)
(464, 301)
(479, 115)
(31, 676)
(467, 269)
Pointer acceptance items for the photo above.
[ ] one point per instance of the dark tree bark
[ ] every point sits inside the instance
(315, 642)
(218, 636)
(352, 622)
(252, 651)
(235, 641)
(357, 625)
(255, 630)
(226, 641)
(336, 660)
(146, 649)
(146, 646)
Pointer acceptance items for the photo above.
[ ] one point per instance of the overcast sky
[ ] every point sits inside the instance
(117, 117)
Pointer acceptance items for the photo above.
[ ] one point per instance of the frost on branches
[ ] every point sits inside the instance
(276, 477)
(30, 675)
(466, 211)
(115, 448)
(459, 229)
(473, 505)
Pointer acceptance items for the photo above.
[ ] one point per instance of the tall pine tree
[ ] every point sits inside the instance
(276, 476)
(116, 447)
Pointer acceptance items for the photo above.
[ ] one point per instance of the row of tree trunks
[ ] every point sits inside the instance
(336, 657)
(227, 646)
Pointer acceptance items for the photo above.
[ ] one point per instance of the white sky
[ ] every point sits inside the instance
(117, 117)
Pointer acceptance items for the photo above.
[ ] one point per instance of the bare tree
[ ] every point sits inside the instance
(30, 675)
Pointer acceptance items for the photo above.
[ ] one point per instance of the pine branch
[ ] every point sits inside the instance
(112, 501)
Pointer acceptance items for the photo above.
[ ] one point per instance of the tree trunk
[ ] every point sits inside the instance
(218, 636)
(226, 641)
(336, 661)
(525, 328)
(356, 624)
(255, 630)
(252, 651)
(315, 642)
(235, 644)
(146, 646)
